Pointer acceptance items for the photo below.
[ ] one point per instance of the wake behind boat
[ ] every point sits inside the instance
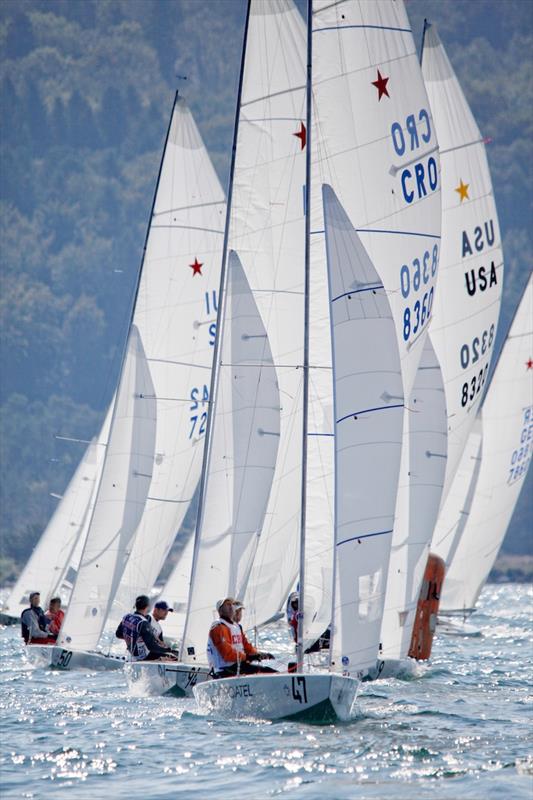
(155, 678)
(456, 627)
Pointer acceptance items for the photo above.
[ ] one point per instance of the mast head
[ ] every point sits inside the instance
(180, 78)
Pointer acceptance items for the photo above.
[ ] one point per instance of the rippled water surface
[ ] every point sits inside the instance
(460, 730)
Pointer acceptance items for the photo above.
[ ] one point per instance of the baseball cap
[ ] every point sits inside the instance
(163, 606)
(220, 603)
(237, 604)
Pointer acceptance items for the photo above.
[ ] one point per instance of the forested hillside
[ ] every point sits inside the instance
(86, 89)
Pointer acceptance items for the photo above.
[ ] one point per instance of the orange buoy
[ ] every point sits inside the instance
(427, 608)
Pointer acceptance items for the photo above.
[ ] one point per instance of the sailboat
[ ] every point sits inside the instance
(462, 333)
(367, 384)
(422, 473)
(52, 566)
(494, 470)
(256, 445)
(154, 452)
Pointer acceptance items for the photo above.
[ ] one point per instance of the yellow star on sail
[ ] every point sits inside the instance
(462, 190)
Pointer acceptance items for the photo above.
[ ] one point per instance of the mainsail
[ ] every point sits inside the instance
(154, 455)
(266, 230)
(242, 457)
(506, 420)
(374, 143)
(471, 267)
(53, 563)
(119, 502)
(368, 437)
(175, 313)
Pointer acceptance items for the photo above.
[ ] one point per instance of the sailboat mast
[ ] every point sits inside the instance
(307, 194)
(426, 26)
(218, 338)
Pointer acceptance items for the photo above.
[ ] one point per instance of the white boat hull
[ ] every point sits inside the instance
(316, 698)
(456, 627)
(43, 655)
(156, 678)
(7, 619)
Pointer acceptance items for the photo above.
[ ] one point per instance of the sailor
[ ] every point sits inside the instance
(159, 612)
(293, 605)
(229, 652)
(292, 614)
(33, 622)
(55, 615)
(136, 630)
(238, 608)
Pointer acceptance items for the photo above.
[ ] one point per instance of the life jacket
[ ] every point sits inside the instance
(132, 637)
(56, 621)
(156, 629)
(41, 619)
(216, 660)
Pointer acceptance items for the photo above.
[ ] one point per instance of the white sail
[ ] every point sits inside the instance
(242, 457)
(377, 148)
(506, 450)
(471, 269)
(53, 562)
(175, 314)
(368, 439)
(419, 496)
(176, 591)
(453, 514)
(267, 231)
(67, 576)
(374, 143)
(120, 501)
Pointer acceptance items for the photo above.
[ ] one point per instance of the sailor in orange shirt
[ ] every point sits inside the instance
(56, 616)
(228, 650)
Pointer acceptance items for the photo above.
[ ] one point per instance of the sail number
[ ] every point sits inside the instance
(413, 278)
(473, 387)
(480, 345)
(408, 136)
(200, 399)
(522, 455)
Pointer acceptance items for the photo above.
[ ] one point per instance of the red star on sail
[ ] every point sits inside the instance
(381, 86)
(196, 267)
(301, 135)
(529, 363)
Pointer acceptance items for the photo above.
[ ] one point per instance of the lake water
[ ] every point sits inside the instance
(460, 730)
